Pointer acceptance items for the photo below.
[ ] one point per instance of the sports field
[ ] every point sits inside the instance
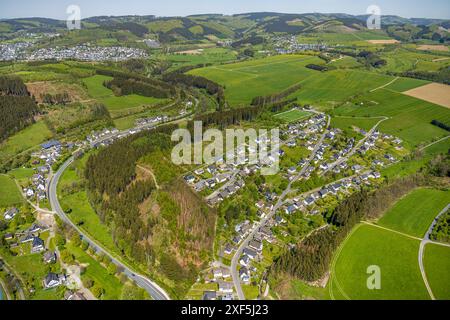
(410, 118)
(292, 115)
(394, 254)
(437, 266)
(98, 91)
(9, 193)
(414, 213)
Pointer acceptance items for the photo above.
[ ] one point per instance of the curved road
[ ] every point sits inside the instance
(155, 291)
(423, 243)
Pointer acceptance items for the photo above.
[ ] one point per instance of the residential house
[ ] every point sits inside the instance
(53, 280)
(49, 257)
(37, 245)
(256, 245)
(11, 213)
(225, 287)
(209, 295)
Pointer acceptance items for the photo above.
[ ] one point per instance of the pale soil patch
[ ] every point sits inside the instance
(437, 47)
(436, 93)
(191, 52)
(440, 59)
(75, 92)
(390, 41)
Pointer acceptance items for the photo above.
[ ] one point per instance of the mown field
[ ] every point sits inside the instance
(395, 255)
(414, 213)
(402, 59)
(98, 91)
(9, 192)
(410, 118)
(437, 266)
(349, 124)
(246, 80)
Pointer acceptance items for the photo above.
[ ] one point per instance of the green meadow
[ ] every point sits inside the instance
(395, 255)
(409, 118)
(9, 192)
(25, 139)
(414, 213)
(437, 266)
(245, 80)
(292, 115)
(98, 91)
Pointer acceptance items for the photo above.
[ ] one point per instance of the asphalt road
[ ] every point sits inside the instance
(156, 292)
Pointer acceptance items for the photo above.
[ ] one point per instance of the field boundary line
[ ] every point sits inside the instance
(391, 230)
(433, 143)
(333, 275)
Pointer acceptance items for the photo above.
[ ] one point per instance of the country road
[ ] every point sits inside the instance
(155, 291)
(423, 243)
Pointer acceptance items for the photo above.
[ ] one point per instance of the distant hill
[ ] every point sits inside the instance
(217, 26)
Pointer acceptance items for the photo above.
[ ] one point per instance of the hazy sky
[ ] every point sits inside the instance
(57, 8)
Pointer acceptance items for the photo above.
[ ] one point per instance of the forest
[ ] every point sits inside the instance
(17, 107)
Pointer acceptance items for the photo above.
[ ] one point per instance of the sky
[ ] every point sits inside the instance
(57, 8)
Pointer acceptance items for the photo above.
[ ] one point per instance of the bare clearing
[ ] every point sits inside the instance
(389, 41)
(429, 47)
(436, 93)
(75, 91)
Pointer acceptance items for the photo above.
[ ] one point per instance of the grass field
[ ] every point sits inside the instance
(414, 213)
(437, 266)
(405, 84)
(292, 115)
(9, 193)
(395, 255)
(82, 212)
(98, 91)
(246, 80)
(28, 138)
(403, 60)
(410, 118)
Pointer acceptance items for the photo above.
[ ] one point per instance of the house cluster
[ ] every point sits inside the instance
(290, 44)
(151, 121)
(49, 154)
(14, 51)
(30, 235)
(86, 52)
(102, 138)
(222, 277)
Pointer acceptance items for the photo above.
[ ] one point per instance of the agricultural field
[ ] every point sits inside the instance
(350, 124)
(395, 254)
(200, 56)
(402, 59)
(115, 105)
(434, 92)
(246, 80)
(437, 265)
(409, 118)
(414, 213)
(9, 192)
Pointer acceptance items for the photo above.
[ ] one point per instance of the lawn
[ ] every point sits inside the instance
(95, 271)
(414, 213)
(395, 255)
(292, 115)
(22, 175)
(9, 193)
(410, 118)
(437, 266)
(98, 91)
